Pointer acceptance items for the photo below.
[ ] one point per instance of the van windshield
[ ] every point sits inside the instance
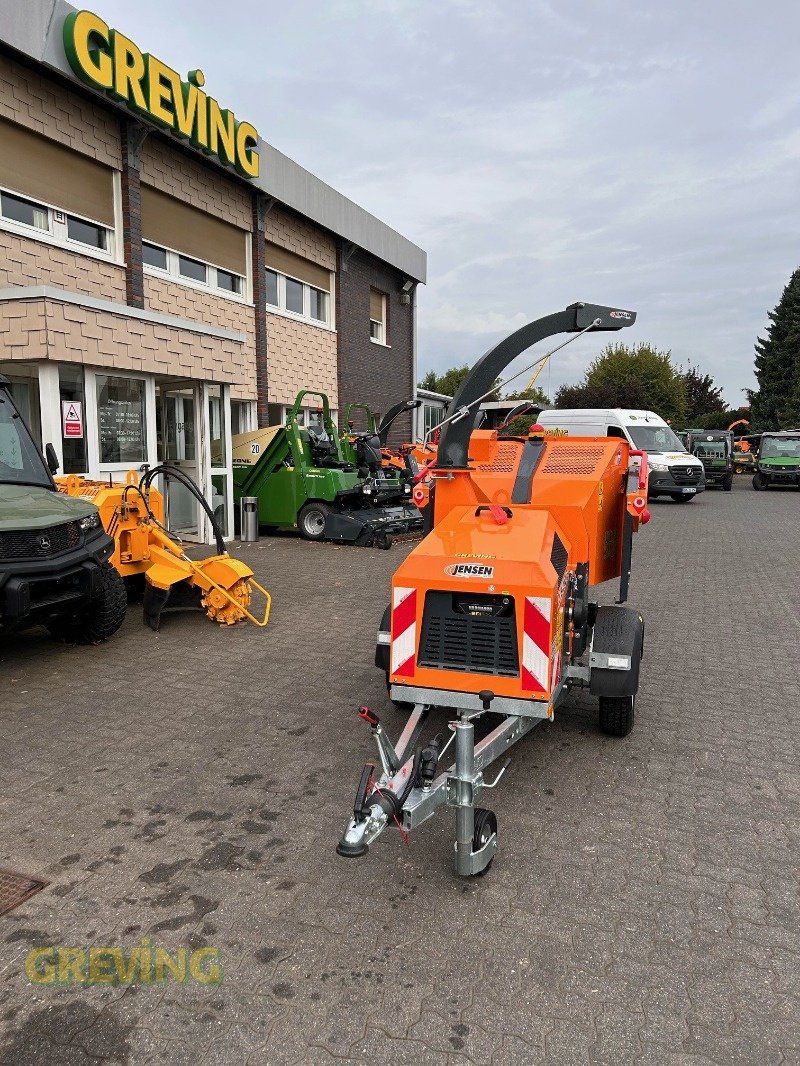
(20, 462)
(655, 439)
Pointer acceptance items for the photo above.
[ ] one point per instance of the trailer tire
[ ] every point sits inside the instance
(616, 715)
(311, 519)
(617, 631)
(101, 617)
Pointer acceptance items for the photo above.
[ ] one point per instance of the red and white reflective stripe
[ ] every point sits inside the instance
(404, 630)
(536, 643)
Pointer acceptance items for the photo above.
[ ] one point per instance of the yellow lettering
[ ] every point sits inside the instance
(86, 42)
(165, 963)
(161, 91)
(186, 99)
(100, 959)
(222, 139)
(124, 973)
(37, 974)
(212, 974)
(247, 158)
(71, 962)
(128, 71)
(144, 960)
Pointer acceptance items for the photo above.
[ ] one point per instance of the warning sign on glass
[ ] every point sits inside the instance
(72, 419)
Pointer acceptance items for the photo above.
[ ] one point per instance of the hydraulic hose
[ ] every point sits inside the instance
(178, 475)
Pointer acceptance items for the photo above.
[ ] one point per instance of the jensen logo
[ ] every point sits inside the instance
(621, 314)
(468, 570)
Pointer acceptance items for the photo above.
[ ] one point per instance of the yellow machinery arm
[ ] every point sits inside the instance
(143, 546)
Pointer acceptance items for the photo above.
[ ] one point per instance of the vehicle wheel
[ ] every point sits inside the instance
(727, 484)
(485, 827)
(739, 469)
(101, 618)
(616, 715)
(683, 499)
(759, 482)
(311, 520)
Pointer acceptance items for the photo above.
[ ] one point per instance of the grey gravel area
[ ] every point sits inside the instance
(189, 787)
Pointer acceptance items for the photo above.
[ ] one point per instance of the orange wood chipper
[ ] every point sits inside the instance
(492, 613)
(133, 514)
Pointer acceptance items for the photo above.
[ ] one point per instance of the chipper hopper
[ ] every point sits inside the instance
(492, 612)
(133, 514)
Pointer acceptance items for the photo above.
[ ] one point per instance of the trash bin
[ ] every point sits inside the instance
(249, 518)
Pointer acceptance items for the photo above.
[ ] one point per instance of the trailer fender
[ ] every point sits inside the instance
(616, 652)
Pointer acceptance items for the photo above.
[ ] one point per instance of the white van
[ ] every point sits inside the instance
(673, 471)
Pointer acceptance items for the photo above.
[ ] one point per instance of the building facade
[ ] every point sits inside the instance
(159, 293)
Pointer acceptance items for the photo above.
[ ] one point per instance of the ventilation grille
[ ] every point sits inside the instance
(577, 460)
(40, 543)
(558, 556)
(504, 461)
(453, 641)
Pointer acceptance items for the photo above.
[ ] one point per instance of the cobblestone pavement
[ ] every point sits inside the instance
(190, 787)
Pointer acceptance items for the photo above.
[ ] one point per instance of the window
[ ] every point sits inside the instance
(154, 256)
(26, 212)
(20, 462)
(297, 286)
(192, 268)
(121, 419)
(64, 228)
(308, 416)
(195, 270)
(377, 317)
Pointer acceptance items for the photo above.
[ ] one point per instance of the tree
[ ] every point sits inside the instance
(776, 402)
(449, 382)
(721, 420)
(703, 397)
(640, 377)
(535, 395)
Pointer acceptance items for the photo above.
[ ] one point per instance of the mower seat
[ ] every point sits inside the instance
(323, 450)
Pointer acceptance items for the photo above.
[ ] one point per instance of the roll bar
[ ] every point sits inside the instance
(577, 318)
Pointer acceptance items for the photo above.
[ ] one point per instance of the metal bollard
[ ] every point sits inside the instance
(249, 518)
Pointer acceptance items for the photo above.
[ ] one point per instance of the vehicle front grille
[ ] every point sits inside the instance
(39, 543)
(686, 475)
(452, 640)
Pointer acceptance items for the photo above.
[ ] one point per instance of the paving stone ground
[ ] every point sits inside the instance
(189, 787)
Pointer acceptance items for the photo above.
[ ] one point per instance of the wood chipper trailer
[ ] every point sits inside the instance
(133, 514)
(304, 480)
(492, 612)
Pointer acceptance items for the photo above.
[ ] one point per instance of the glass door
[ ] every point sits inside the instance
(218, 408)
(178, 404)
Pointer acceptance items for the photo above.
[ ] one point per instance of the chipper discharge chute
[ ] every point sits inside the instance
(305, 479)
(492, 611)
(133, 514)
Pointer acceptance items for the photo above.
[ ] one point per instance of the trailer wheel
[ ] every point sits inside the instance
(616, 715)
(101, 618)
(311, 519)
(485, 828)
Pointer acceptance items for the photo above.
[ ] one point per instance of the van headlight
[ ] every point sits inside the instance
(660, 468)
(91, 521)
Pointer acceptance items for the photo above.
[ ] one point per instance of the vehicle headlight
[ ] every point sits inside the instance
(367, 490)
(91, 521)
(660, 468)
(406, 488)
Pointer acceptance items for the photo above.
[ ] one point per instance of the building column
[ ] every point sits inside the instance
(133, 137)
(261, 207)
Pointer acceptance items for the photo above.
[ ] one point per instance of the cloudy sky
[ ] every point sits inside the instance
(639, 154)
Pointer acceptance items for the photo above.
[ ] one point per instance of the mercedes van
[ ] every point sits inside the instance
(673, 471)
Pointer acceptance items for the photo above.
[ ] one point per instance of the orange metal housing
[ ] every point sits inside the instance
(574, 512)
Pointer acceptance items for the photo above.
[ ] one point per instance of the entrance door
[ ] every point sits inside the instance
(178, 404)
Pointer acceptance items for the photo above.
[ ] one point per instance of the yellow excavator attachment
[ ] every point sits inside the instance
(142, 546)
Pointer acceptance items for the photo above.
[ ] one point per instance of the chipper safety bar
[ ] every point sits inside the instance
(133, 514)
(491, 612)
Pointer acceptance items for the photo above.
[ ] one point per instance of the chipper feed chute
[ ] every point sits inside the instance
(491, 612)
(133, 514)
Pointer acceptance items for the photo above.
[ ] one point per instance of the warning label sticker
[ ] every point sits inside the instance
(72, 419)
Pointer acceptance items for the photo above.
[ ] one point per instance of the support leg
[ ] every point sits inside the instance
(463, 779)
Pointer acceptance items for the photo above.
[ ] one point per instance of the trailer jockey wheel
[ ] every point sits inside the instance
(485, 828)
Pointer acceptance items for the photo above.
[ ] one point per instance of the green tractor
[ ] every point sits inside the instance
(306, 479)
(714, 449)
(778, 460)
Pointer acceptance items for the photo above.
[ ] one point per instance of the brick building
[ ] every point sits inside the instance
(167, 278)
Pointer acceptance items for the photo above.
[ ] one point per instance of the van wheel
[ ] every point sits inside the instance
(311, 519)
(616, 715)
